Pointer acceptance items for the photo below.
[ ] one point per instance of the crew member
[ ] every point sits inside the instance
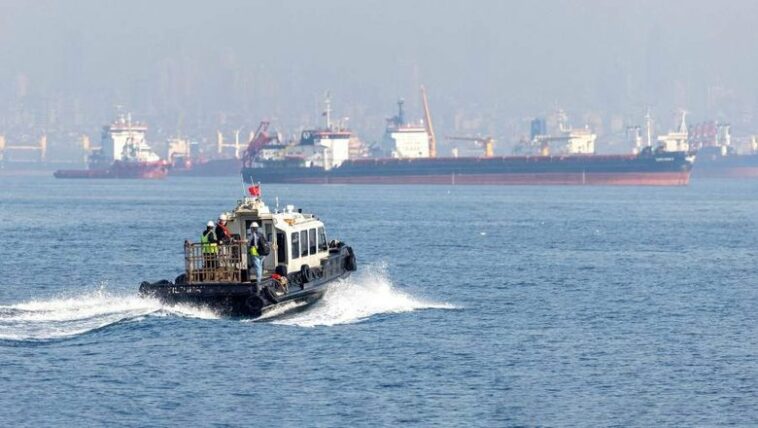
(210, 250)
(223, 234)
(257, 248)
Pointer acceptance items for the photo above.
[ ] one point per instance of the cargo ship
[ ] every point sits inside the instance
(322, 157)
(646, 168)
(717, 157)
(123, 153)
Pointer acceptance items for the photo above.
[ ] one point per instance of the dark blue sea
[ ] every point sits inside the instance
(472, 306)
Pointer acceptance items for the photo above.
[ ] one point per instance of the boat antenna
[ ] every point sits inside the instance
(277, 203)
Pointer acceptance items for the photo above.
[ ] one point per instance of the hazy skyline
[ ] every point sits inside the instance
(185, 64)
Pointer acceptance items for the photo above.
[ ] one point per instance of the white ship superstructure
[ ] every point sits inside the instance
(325, 148)
(566, 140)
(403, 139)
(676, 141)
(124, 140)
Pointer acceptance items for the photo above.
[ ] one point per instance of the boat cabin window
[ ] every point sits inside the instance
(268, 231)
(304, 243)
(295, 245)
(281, 246)
(312, 241)
(322, 246)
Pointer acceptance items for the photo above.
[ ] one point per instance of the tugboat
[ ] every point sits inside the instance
(297, 271)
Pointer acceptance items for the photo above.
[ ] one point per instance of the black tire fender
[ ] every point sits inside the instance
(254, 304)
(281, 269)
(306, 275)
(270, 294)
(350, 263)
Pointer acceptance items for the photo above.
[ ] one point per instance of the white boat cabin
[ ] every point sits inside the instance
(296, 238)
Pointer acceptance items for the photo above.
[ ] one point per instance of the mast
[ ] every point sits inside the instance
(400, 113)
(328, 111)
(649, 128)
(428, 123)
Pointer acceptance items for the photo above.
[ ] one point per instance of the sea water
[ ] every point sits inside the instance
(472, 306)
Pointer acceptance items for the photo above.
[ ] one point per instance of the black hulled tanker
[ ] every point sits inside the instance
(650, 168)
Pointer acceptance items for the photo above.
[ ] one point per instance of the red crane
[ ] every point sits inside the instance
(260, 139)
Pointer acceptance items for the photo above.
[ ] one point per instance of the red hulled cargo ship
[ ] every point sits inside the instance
(123, 153)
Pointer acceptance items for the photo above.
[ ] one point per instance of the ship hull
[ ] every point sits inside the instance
(120, 170)
(620, 179)
(730, 166)
(671, 169)
(211, 168)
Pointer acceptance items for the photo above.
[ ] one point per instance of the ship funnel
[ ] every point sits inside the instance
(538, 127)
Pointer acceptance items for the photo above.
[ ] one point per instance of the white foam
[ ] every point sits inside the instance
(280, 310)
(366, 294)
(357, 298)
(71, 316)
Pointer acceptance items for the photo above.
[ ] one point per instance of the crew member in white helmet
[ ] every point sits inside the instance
(258, 248)
(209, 244)
(223, 234)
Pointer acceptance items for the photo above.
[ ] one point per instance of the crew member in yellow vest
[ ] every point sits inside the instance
(258, 250)
(209, 244)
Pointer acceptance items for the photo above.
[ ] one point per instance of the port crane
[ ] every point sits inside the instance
(260, 139)
(41, 148)
(221, 145)
(488, 143)
(428, 124)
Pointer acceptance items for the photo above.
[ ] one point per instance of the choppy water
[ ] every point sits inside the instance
(473, 306)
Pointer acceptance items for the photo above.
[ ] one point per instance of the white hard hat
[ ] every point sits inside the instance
(223, 217)
(211, 224)
(255, 224)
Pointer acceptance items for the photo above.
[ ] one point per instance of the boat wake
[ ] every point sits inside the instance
(58, 318)
(361, 296)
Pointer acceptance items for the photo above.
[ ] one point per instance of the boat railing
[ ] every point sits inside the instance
(214, 262)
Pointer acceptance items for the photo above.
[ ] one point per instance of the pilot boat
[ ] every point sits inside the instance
(296, 272)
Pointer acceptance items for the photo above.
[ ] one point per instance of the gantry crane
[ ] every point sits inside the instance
(41, 148)
(488, 143)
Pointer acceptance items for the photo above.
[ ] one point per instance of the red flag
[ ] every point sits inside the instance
(254, 190)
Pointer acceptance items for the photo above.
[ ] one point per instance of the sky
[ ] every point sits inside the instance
(192, 64)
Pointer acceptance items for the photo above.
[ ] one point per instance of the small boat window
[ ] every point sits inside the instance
(304, 243)
(322, 240)
(267, 231)
(322, 246)
(312, 240)
(295, 245)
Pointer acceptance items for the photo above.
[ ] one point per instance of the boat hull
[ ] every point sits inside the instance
(246, 299)
(670, 169)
